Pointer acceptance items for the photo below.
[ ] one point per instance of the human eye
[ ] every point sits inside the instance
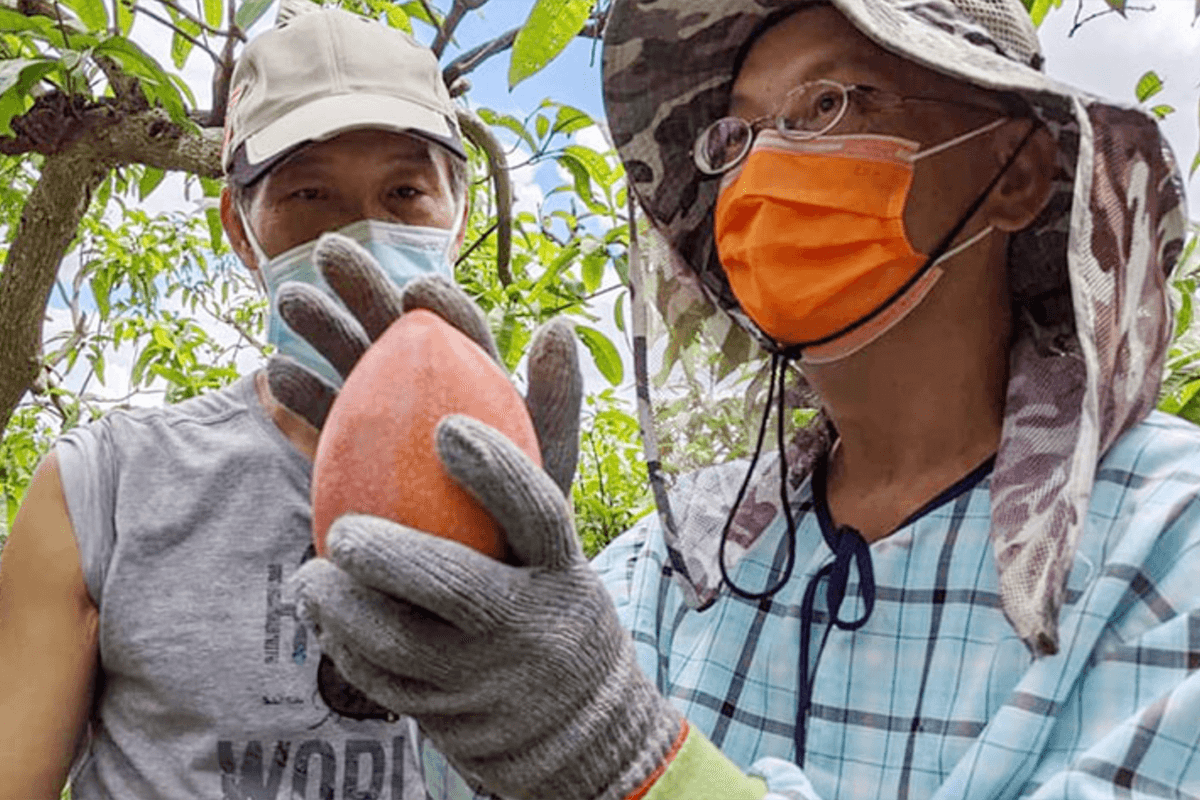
(405, 191)
(306, 193)
(813, 108)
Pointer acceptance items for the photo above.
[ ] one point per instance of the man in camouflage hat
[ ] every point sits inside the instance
(972, 576)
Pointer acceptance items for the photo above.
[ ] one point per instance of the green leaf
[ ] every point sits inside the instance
(597, 165)
(571, 119)
(1162, 111)
(511, 123)
(162, 337)
(211, 186)
(91, 13)
(138, 371)
(593, 269)
(551, 25)
(136, 61)
(214, 10)
(1148, 86)
(98, 365)
(124, 16)
(215, 230)
(398, 18)
(1188, 405)
(604, 353)
(250, 12)
(170, 374)
(101, 287)
(1038, 9)
(543, 126)
(1196, 160)
(1183, 319)
(183, 40)
(15, 99)
(1118, 6)
(416, 10)
(583, 179)
(151, 178)
(619, 312)
(16, 22)
(11, 70)
(181, 48)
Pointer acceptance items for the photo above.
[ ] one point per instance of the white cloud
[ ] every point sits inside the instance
(594, 137)
(1108, 55)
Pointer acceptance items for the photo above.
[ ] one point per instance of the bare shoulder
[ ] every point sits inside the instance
(41, 560)
(48, 634)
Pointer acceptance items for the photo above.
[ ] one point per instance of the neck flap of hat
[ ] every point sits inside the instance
(1088, 276)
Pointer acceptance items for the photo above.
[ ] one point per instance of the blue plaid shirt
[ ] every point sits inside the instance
(936, 696)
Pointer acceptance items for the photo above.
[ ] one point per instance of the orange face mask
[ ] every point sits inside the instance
(811, 235)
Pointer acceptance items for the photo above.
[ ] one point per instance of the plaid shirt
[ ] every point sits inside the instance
(935, 696)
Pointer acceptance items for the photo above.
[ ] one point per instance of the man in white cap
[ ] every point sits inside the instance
(973, 576)
(151, 645)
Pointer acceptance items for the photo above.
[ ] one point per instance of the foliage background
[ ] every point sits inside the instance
(162, 293)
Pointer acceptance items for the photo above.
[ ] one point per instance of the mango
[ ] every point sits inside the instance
(377, 454)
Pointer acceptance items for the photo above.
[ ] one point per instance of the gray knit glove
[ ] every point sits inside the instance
(520, 675)
(555, 385)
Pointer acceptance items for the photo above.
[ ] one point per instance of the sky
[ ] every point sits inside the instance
(1106, 56)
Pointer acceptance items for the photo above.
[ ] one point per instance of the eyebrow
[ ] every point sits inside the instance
(306, 159)
(820, 70)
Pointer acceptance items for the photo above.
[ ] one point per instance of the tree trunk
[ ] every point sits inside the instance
(51, 218)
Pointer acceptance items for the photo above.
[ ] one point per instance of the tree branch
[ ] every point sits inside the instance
(1079, 23)
(164, 21)
(450, 23)
(51, 218)
(57, 124)
(222, 75)
(470, 60)
(190, 17)
(433, 20)
(479, 133)
(125, 87)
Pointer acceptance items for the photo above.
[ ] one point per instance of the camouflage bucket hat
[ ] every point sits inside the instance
(1088, 276)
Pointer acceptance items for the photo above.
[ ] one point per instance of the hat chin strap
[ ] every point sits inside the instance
(863, 335)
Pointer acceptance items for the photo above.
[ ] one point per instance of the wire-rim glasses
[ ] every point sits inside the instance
(809, 111)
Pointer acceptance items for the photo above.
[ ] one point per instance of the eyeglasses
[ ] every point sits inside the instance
(810, 110)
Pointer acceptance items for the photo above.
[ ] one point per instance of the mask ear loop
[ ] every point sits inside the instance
(937, 254)
(258, 271)
(774, 394)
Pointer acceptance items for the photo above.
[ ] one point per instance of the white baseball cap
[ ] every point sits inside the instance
(324, 72)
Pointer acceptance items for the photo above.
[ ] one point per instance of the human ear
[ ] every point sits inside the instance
(231, 221)
(1025, 189)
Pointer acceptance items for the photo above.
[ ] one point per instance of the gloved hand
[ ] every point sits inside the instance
(553, 397)
(555, 385)
(521, 676)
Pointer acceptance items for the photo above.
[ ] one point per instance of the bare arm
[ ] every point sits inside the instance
(48, 644)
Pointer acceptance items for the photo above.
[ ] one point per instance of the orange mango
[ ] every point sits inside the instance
(377, 454)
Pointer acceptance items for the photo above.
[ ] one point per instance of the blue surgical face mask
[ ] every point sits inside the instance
(403, 251)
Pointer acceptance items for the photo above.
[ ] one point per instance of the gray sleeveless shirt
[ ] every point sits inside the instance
(190, 519)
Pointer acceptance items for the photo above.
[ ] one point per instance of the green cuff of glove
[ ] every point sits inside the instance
(700, 771)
